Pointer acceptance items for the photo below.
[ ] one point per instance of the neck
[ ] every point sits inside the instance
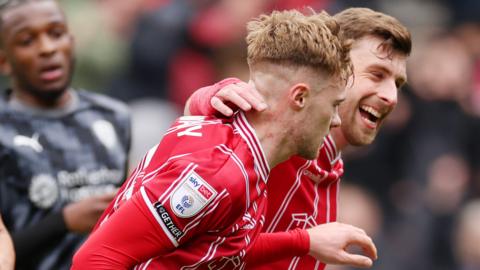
(37, 101)
(340, 142)
(274, 138)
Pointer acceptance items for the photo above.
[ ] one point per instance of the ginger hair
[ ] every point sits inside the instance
(292, 38)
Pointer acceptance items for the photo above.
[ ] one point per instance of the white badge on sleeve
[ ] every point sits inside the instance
(191, 196)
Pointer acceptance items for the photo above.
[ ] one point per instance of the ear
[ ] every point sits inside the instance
(298, 95)
(5, 67)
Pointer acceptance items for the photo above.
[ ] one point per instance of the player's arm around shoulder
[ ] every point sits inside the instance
(223, 98)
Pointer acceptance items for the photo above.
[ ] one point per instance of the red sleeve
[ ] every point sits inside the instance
(200, 99)
(270, 247)
(125, 239)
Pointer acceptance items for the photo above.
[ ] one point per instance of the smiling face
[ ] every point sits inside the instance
(373, 94)
(37, 49)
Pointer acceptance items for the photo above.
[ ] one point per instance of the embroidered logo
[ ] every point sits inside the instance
(301, 220)
(43, 191)
(191, 196)
(21, 140)
(187, 201)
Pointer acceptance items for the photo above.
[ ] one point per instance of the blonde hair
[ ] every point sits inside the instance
(356, 23)
(294, 38)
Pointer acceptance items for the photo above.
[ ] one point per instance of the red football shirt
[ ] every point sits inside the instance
(196, 201)
(307, 196)
(301, 193)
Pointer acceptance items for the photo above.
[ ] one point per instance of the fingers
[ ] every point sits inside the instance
(370, 250)
(252, 90)
(234, 96)
(332, 243)
(242, 95)
(366, 243)
(253, 97)
(356, 260)
(218, 105)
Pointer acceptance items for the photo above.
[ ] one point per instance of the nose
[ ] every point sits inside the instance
(47, 45)
(336, 121)
(388, 94)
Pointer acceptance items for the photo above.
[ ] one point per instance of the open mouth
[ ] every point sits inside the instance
(51, 73)
(370, 115)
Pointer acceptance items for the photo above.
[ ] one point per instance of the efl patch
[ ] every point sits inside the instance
(191, 196)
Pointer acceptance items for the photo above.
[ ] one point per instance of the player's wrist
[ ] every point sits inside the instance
(200, 101)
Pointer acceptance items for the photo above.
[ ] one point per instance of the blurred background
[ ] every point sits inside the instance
(416, 190)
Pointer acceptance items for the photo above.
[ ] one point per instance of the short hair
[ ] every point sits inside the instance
(7, 4)
(305, 40)
(356, 23)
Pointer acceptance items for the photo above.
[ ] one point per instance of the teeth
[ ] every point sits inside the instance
(372, 111)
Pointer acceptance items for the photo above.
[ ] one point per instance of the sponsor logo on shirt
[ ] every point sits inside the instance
(191, 196)
(167, 220)
(205, 192)
(46, 189)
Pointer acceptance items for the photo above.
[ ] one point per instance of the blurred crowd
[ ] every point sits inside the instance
(416, 189)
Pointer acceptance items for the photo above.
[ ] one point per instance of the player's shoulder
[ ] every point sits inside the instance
(214, 145)
(103, 102)
(213, 162)
(201, 130)
(217, 166)
(195, 120)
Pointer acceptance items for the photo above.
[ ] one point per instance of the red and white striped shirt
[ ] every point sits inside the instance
(301, 194)
(196, 201)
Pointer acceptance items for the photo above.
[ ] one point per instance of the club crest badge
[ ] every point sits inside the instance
(43, 191)
(191, 196)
